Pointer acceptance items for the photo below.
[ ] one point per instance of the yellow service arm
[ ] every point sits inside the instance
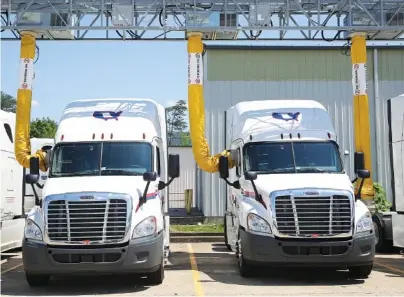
(196, 108)
(22, 143)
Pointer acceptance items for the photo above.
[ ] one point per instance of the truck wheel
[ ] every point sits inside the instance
(245, 269)
(360, 271)
(225, 234)
(37, 280)
(379, 235)
(157, 277)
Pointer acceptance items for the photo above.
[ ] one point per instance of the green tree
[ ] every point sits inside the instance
(43, 128)
(8, 102)
(176, 119)
(185, 139)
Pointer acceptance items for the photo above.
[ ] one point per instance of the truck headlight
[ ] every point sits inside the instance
(32, 231)
(145, 228)
(365, 223)
(257, 224)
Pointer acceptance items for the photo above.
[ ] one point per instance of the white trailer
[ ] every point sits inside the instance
(16, 198)
(104, 207)
(289, 200)
(389, 226)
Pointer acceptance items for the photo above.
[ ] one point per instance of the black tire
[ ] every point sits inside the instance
(379, 234)
(360, 271)
(245, 269)
(157, 277)
(225, 234)
(37, 280)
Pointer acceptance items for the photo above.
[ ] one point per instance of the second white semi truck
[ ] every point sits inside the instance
(290, 201)
(104, 205)
(389, 226)
(16, 198)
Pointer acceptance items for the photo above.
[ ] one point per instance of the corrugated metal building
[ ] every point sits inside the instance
(234, 74)
(185, 181)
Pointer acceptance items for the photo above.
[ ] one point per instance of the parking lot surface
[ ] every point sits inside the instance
(209, 269)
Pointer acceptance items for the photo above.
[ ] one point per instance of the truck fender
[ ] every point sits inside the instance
(378, 218)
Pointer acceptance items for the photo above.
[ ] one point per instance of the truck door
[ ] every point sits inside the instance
(234, 195)
(29, 199)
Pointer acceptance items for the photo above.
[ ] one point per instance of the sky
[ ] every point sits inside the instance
(68, 71)
(72, 70)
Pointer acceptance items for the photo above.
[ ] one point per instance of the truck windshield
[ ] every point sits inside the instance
(292, 157)
(102, 158)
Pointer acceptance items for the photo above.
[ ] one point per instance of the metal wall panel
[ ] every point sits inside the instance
(336, 96)
(186, 180)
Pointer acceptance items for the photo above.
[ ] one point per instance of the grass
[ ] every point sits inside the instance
(217, 228)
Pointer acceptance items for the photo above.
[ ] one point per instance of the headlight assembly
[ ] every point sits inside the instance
(32, 231)
(146, 227)
(257, 224)
(365, 223)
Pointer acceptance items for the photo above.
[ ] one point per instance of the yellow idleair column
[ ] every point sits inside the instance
(361, 107)
(22, 144)
(196, 107)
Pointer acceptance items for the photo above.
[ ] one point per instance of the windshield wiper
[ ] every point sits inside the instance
(314, 169)
(83, 173)
(281, 170)
(118, 172)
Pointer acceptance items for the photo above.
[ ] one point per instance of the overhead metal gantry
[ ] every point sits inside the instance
(218, 19)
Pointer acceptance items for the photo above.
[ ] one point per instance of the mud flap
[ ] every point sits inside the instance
(166, 236)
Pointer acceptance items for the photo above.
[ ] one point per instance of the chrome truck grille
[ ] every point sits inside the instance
(313, 216)
(98, 221)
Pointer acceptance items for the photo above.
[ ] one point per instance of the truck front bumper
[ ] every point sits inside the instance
(265, 250)
(137, 256)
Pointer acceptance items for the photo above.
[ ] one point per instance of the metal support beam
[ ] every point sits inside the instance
(361, 107)
(171, 19)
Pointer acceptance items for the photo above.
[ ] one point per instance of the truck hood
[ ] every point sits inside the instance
(131, 185)
(275, 182)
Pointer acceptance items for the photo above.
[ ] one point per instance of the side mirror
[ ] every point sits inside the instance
(174, 166)
(173, 170)
(224, 167)
(359, 161)
(149, 176)
(31, 178)
(224, 172)
(34, 166)
(363, 173)
(250, 175)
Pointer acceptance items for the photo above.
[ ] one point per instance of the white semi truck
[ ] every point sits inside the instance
(389, 226)
(104, 204)
(16, 198)
(289, 198)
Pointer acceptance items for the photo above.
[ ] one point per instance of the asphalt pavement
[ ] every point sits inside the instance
(209, 269)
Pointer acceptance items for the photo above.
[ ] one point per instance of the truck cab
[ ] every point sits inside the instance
(290, 201)
(103, 207)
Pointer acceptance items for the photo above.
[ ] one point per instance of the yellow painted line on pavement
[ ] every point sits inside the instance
(195, 272)
(389, 267)
(11, 268)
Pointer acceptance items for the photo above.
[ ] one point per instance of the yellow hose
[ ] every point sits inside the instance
(361, 107)
(196, 107)
(24, 98)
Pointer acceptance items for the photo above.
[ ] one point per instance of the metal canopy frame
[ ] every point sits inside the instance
(166, 19)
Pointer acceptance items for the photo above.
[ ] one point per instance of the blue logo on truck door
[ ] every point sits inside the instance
(112, 115)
